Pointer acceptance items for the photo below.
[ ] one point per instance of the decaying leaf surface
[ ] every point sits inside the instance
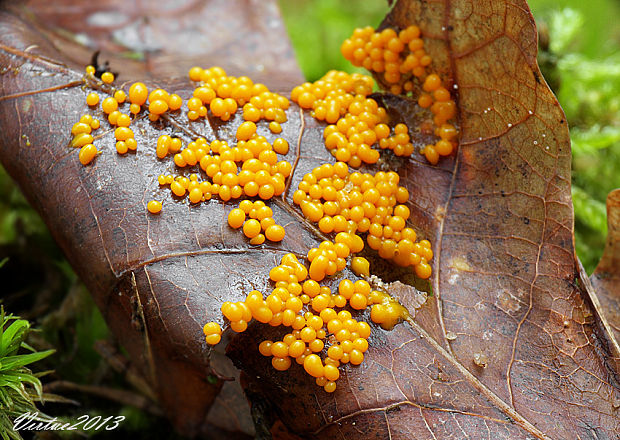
(606, 276)
(505, 280)
(508, 345)
(100, 219)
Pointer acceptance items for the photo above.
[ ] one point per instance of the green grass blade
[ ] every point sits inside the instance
(20, 360)
(13, 336)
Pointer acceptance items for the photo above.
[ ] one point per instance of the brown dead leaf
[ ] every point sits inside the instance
(508, 345)
(606, 276)
(109, 239)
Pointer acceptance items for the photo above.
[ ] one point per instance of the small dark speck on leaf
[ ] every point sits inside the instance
(100, 68)
(526, 220)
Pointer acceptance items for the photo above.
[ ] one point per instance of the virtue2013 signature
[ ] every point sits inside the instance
(34, 422)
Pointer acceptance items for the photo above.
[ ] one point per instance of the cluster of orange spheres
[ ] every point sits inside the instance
(355, 207)
(321, 337)
(83, 138)
(403, 63)
(356, 121)
(259, 225)
(330, 258)
(399, 57)
(159, 102)
(357, 203)
(330, 97)
(191, 187)
(125, 140)
(437, 97)
(225, 94)
(251, 168)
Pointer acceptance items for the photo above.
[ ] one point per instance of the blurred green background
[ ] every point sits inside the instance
(579, 57)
